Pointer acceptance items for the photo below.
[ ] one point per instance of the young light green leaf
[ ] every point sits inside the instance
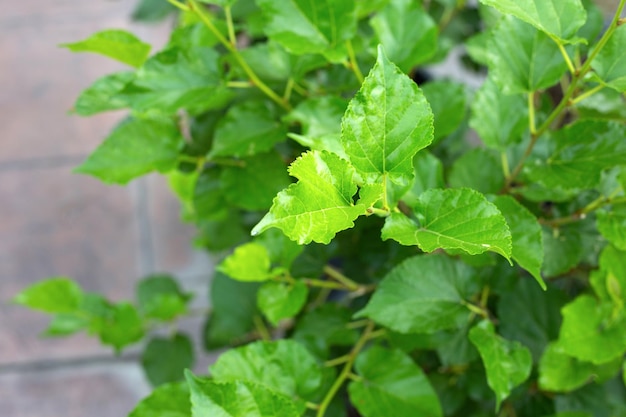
(457, 218)
(612, 225)
(114, 43)
(103, 95)
(160, 297)
(516, 49)
(305, 27)
(168, 400)
(507, 363)
(581, 152)
(278, 300)
(391, 384)
(423, 294)
(254, 185)
(563, 373)
(134, 148)
(386, 124)
(237, 399)
(610, 63)
(559, 18)
(526, 235)
(54, 295)
(175, 79)
(249, 262)
(121, 327)
(283, 366)
(248, 128)
(165, 359)
(448, 101)
(590, 332)
(499, 119)
(479, 169)
(407, 32)
(320, 204)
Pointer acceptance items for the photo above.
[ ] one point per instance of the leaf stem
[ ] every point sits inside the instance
(345, 371)
(335, 274)
(582, 213)
(230, 25)
(354, 65)
(179, 5)
(531, 113)
(566, 57)
(587, 94)
(337, 361)
(505, 164)
(261, 328)
(239, 84)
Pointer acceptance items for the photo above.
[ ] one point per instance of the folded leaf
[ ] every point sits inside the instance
(114, 43)
(279, 301)
(249, 262)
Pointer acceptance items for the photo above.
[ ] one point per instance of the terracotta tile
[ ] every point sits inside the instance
(110, 390)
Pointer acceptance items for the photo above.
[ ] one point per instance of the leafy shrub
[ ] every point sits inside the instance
(380, 262)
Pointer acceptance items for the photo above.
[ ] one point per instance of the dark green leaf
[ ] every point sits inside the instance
(407, 32)
(152, 10)
(516, 48)
(423, 294)
(447, 100)
(165, 359)
(281, 249)
(248, 128)
(121, 327)
(169, 400)
(208, 200)
(134, 148)
(305, 27)
(612, 225)
(478, 169)
(233, 309)
(507, 363)
(558, 18)
(114, 43)
(103, 94)
(386, 124)
(610, 63)
(391, 384)
(428, 174)
(160, 297)
(499, 119)
(320, 204)
(237, 399)
(284, 366)
(253, 185)
(249, 262)
(452, 219)
(54, 295)
(279, 301)
(526, 234)
(563, 250)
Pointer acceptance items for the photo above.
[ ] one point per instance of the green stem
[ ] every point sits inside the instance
(288, 89)
(587, 94)
(323, 284)
(505, 164)
(230, 25)
(566, 57)
(531, 113)
(179, 5)
(337, 361)
(239, 84)
(339, 277)
(345, 371)
(261, 329)
(582, 213)
(354, 65)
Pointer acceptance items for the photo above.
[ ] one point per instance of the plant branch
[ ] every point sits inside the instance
(179, 5)
(566, 57)
(339, 277)
(583, 212)
(346, 370)
(230, 25)
(354, 65)
(587, 94)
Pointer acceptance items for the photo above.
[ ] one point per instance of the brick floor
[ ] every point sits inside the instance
(53, 222)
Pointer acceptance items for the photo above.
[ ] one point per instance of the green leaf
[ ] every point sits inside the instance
(386, 124)
(253, 185)
(609, 283)
(407, 32)
(54, 295)
(448, 100)
(165, 359)
(610, 63)
(160, 297)
(507, 363)
(283, 366)
(581, 152)
(64, 324)
(452, 219)
(428, 174)
(281, 249)
(423, 294)
(208, 200)
(562, 373)
(612, 225)
(248, 128)
(531, 316)
(563, 250)
(320, 204)
(249, 262)
(305, 27)
(237, 399)
(152, 10)
(280, 301)
(479, 169)
(134, 148)
(114, 43)
(233, 310)
(526, 234)
(516, 49)
(590, 332)
(391, 384)
(499, 119)
(121, 327)
(168, 400)
(559, 18)
(103, 95)
(176, 78)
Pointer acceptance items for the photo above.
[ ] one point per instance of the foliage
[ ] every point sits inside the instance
(379, 261)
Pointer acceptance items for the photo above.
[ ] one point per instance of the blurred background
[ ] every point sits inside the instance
(55, 223)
